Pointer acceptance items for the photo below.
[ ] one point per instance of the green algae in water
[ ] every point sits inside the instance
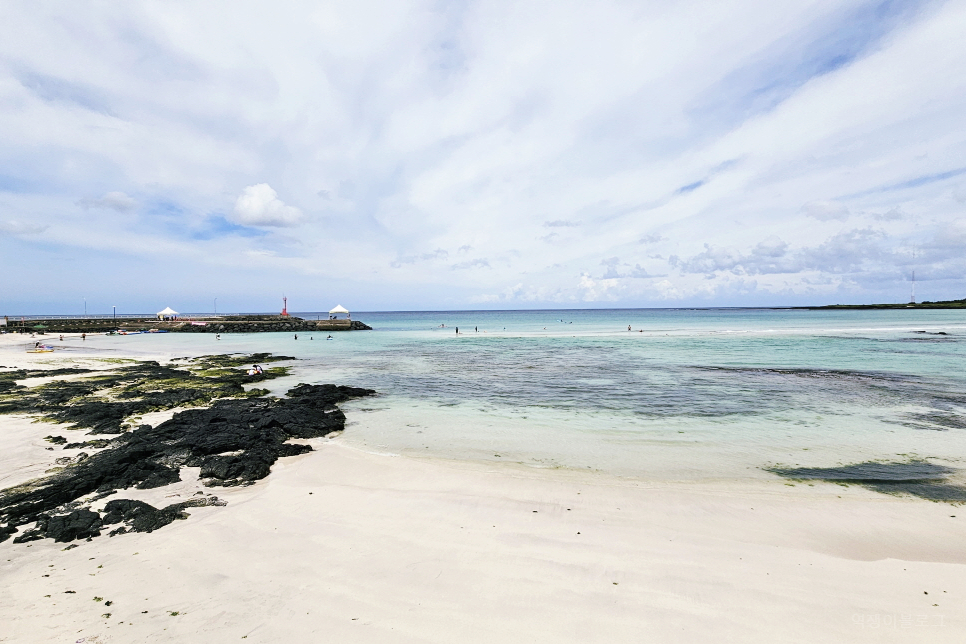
(918, 478)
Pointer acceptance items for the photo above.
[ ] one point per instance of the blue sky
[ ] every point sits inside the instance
(453, 155)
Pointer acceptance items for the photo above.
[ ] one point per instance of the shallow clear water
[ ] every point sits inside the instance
(685, 395)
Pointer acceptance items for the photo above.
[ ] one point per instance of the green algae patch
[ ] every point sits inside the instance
(915, 477)
(104, 401)
(235, 360)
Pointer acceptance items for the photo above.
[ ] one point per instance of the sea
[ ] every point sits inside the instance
(659, 395)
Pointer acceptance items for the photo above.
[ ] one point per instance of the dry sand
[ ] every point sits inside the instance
(348, 546)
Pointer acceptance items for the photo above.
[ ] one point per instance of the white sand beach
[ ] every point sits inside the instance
(345, 545)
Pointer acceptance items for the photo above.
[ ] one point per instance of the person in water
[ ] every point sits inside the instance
(296, 336)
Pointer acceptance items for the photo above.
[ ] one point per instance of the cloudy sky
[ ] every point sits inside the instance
(452, 155)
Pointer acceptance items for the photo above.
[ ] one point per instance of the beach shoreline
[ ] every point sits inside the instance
(342, 543)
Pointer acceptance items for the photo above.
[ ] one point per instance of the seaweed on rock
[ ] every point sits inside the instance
(234, 441)
(103, 401)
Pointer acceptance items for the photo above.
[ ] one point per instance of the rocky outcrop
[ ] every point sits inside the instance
(103, 402)
(234, 442)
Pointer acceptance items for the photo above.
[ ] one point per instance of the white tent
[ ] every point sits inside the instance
(337, 310)
(167, 312)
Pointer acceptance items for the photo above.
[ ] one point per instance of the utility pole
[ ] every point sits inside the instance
(115, 314)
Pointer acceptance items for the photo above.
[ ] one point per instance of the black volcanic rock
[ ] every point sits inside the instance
(79, 524)
(234, 442)
(6, 531)
(103, 401)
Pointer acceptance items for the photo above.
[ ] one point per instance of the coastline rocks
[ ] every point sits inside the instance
(103, 402)
(6, 531)
(234, 442)
(79, 524)
(143, 517)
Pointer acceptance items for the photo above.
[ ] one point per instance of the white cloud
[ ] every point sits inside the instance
(481, 262)
(895, 214)
(561, 223)
(112, 200)
(259, 205)
(419, 139)
(826, 210)
(21, 228)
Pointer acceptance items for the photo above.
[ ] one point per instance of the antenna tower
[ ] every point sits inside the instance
(912, 297)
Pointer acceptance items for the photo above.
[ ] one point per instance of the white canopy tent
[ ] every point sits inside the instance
(337, 311)
(167, 312)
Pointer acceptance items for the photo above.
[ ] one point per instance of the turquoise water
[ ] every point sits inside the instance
(684, 395)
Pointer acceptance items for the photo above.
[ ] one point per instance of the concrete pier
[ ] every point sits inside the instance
(207, 324)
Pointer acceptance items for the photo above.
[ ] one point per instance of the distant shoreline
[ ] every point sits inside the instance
(945, 304)
(14, 319)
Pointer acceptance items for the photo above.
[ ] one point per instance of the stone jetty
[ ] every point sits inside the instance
(195, 324)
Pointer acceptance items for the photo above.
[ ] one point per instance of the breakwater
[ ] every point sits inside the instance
(209, 324)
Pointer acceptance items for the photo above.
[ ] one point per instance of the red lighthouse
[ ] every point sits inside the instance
(284, 307)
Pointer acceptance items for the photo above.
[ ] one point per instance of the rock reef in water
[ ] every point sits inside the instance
(235, 441)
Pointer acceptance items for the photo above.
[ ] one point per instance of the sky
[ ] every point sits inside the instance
(407, 155)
